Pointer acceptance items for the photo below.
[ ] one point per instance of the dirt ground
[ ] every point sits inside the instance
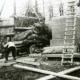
(11, 73)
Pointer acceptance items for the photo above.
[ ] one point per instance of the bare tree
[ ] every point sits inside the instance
(61, 9)
(50, 10)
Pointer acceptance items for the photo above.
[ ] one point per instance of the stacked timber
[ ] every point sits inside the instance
(46, 72)
(55, 49)
(28, 60)
(52, 49)
(23, 35)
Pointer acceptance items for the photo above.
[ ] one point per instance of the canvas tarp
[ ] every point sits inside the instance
(23, 35)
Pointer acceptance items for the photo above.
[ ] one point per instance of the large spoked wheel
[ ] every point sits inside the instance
(33, 48)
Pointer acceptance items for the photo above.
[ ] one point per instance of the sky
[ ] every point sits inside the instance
(8, 9)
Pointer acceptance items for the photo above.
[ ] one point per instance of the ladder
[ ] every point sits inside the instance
(69, 37)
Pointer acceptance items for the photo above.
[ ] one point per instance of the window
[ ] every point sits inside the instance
(10, 30)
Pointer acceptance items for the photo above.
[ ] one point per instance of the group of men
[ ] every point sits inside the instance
(6, 48)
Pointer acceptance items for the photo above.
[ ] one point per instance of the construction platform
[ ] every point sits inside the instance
(76, 55)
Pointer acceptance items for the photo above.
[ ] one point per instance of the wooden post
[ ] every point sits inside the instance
(2, 8)
(14, 7)
(43, 9)
(46, 72)
(15, 24)
(62, 72)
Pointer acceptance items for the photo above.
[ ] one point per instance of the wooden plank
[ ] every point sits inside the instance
(46, 72)
(62, 72)
(76, 55)
(46, 77)
(27, 59)
(10, 58)
(10, 62)
(35, 55)
(28, 62)
(7, 64)
(48, 55)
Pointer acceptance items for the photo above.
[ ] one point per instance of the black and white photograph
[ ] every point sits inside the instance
(39, 39)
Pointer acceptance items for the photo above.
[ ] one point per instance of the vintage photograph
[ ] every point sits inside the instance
(39, 39)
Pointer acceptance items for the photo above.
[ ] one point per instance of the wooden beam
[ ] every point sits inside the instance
(7, 64)
(2, 7)
(46, 77)
(26, 59)
(76, 55)
(2, 60)
(46, 72)
(70, 70)
(29, 62)
(62, 72)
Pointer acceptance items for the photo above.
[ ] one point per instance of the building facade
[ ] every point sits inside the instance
(7, 31)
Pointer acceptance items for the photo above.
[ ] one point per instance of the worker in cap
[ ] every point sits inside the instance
(9, 47)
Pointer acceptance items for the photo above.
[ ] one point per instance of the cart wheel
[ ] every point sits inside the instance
(32, 49)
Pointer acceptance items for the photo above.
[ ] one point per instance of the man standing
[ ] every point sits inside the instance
(9, 47)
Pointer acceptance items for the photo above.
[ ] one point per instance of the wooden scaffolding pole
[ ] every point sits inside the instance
(62, 72)
(46, 72)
